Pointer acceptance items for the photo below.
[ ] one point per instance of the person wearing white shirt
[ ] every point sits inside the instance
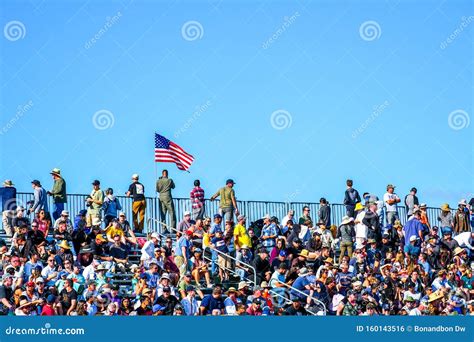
(148, 249)
(391, 199)
(465, 240)
(361, 230)
(289, 216)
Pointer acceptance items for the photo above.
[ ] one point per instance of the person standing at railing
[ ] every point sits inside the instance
(228, 204)
(411, 200)
(351, 198)
(94, 203)
(8, 196)
(164, 185)
(197, 199)
(324, 212)
(445, 217)
(391, 199)
(58, 192)
(40, 198)
(137, 191)
(461, 218)
(346, 236)
(111, 206)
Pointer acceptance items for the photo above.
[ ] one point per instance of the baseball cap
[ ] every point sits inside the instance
(39, 280)
(36, 182)
(190, 288)
(155, 235)
(217, 216)
(189, 232)
(96, 182)
(187, 213)
(241, 217)
(282, 253)
(166, 289)
(122, 213)
(230, 181)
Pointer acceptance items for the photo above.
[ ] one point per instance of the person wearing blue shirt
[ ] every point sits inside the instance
(212, 302)
(216, 226)
(413, 227)
(182, 252)
(189, 302)
(301, 284)
(40, 198)
(269, 234)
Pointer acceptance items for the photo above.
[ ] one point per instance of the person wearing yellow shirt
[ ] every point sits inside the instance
(241, 237)
(113, 229)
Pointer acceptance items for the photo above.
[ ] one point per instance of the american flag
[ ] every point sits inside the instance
(168, 151)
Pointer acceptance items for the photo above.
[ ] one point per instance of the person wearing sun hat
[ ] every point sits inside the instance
(445, 217)
(8, 198)
(461, 222)
(346, 236)
(58, 192)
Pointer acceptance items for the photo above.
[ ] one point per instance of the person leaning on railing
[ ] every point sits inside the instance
(137, 191)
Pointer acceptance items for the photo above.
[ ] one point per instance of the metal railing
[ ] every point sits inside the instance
(254, 210)
(291, 288)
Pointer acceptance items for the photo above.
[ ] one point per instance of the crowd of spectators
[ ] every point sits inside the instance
(98, 263)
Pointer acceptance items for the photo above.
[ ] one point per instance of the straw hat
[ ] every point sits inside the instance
(458, 250)
(359, 206)
(435, 296)
(445, 207)
(304, 253)
(8, 182)
(64, 245)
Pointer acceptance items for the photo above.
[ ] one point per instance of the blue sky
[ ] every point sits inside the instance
(360, 90)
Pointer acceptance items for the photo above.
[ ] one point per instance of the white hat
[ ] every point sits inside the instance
(412, 238)
(155, 235)
(462, 202)
(186, 213)
(122, 214)
(267, 216)
(65, 213)
(423, 205)
(347, 219)
(39, 280)
(165, 276)
(135, 176)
